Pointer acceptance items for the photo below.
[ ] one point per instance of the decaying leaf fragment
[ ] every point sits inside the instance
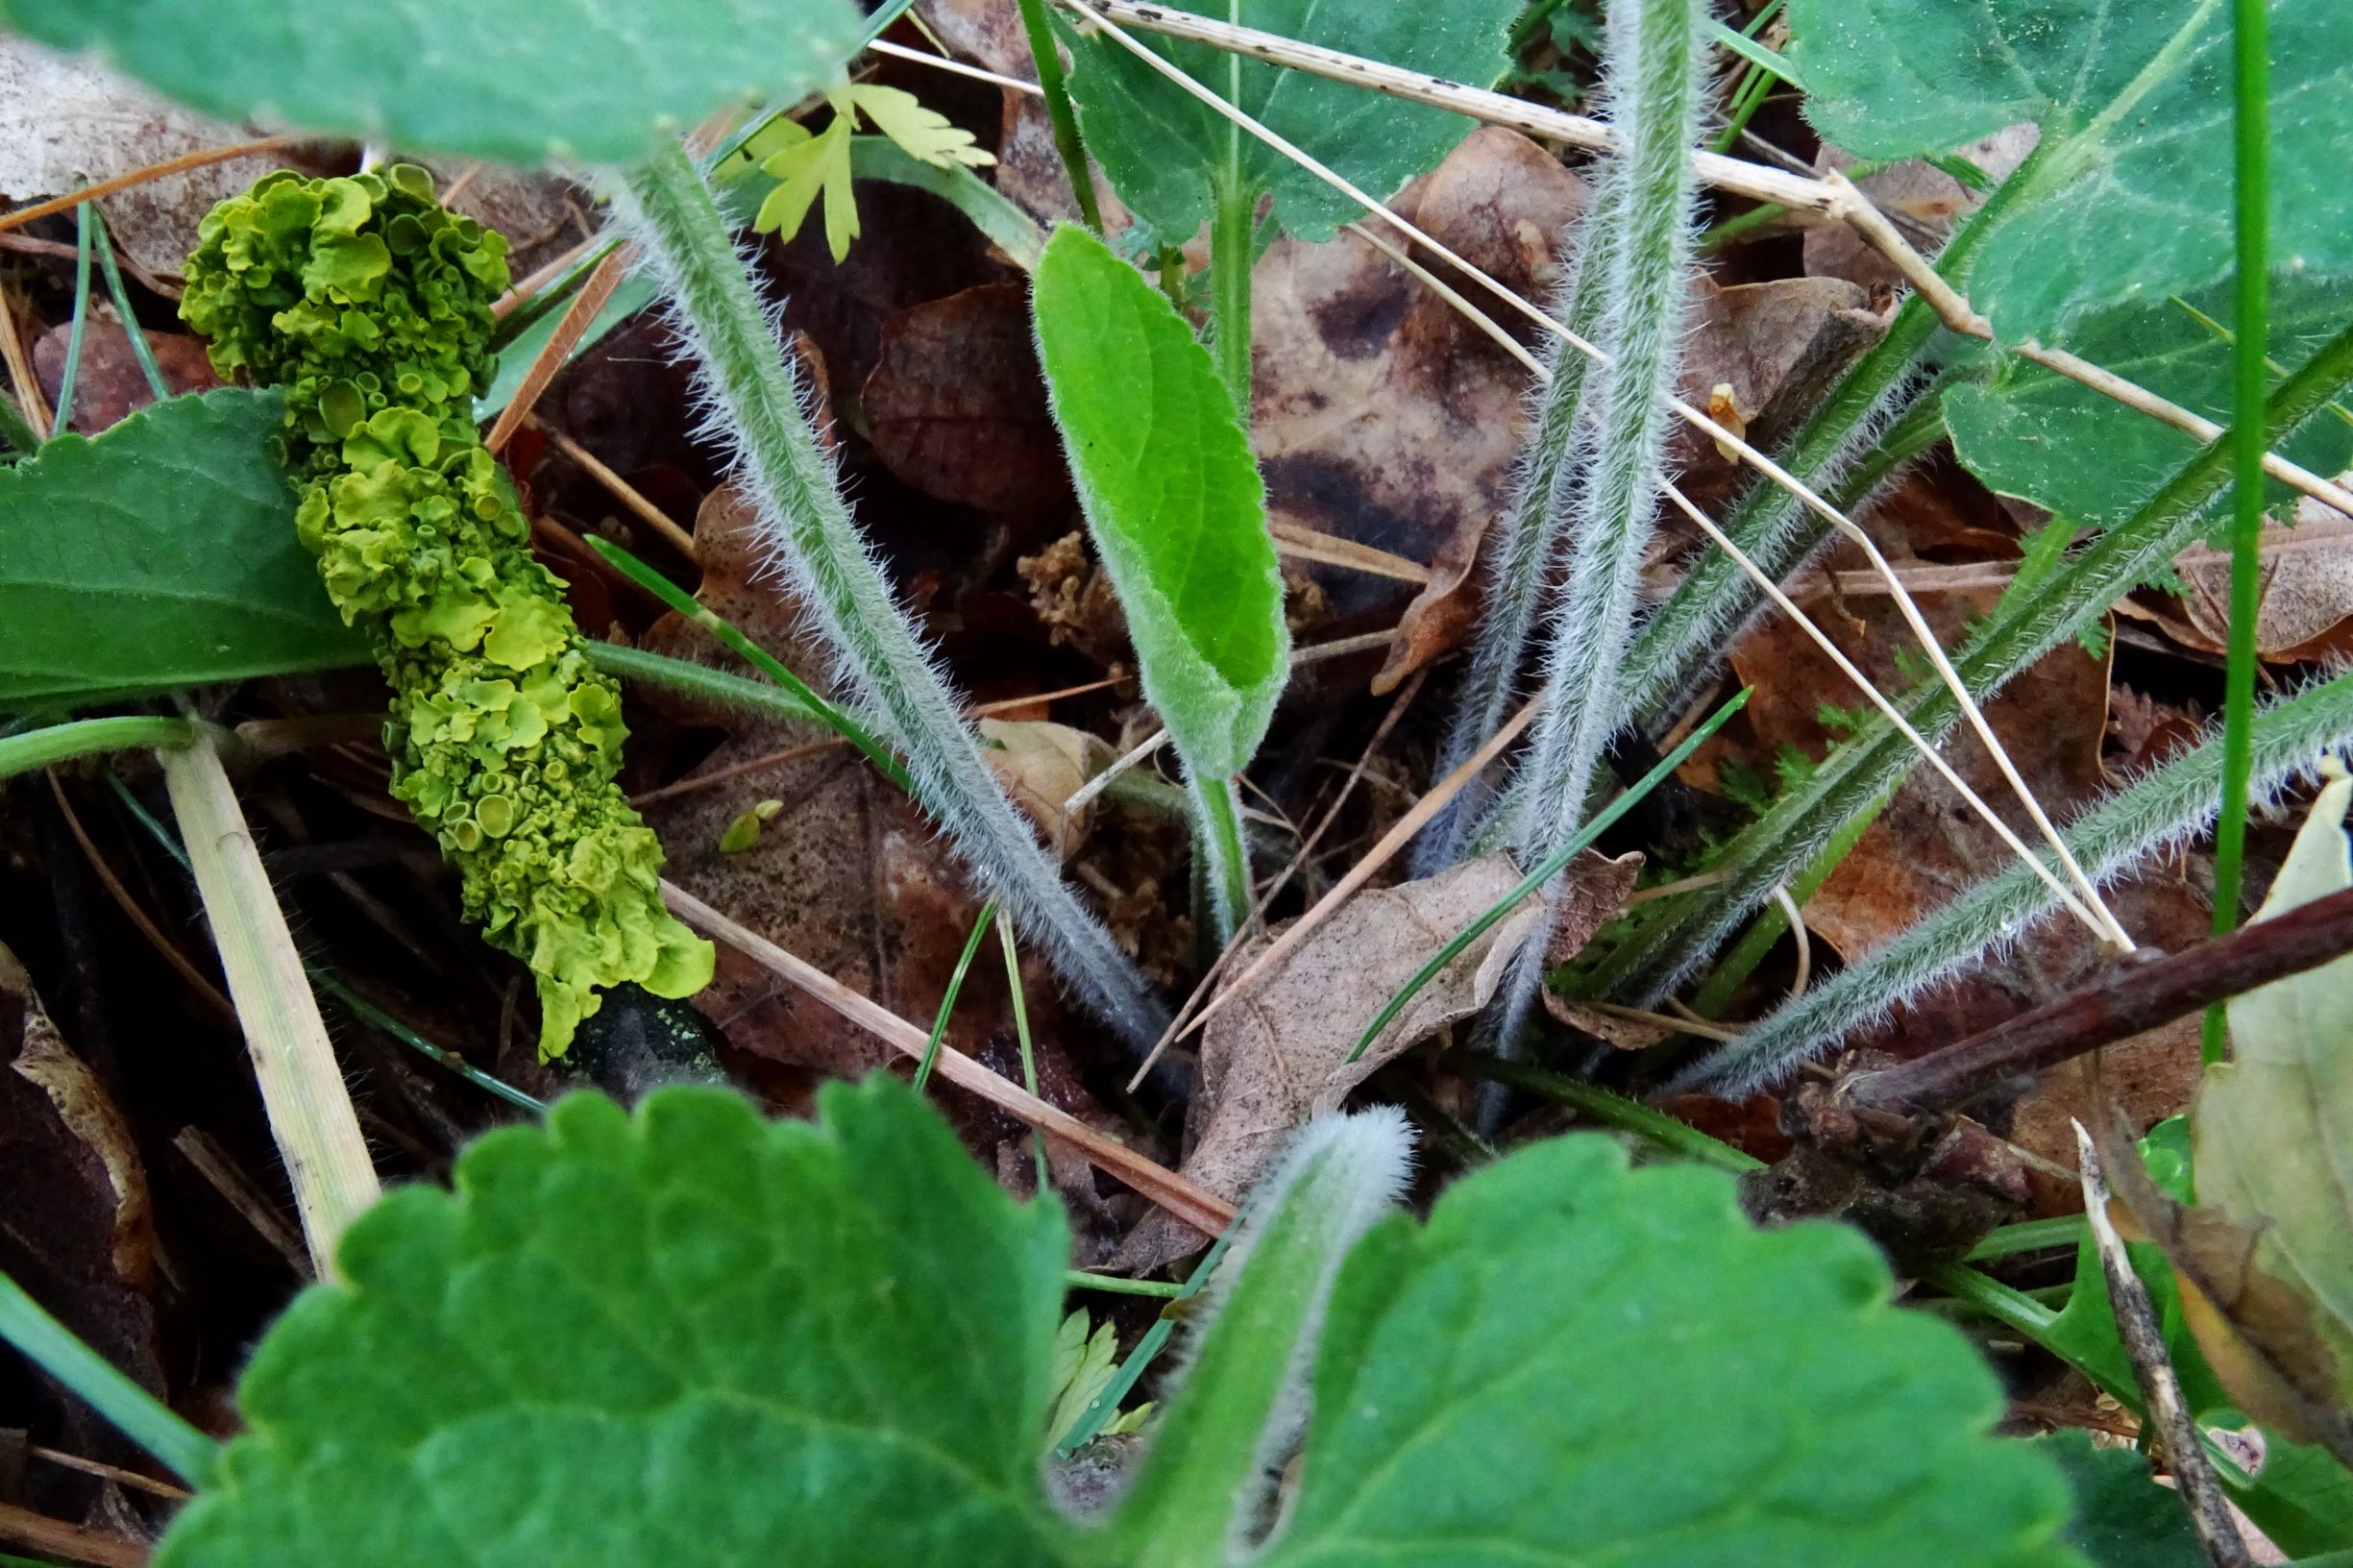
(2274, 1167)
(1279, 1054)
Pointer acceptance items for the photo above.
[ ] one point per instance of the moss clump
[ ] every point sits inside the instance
(370, 303)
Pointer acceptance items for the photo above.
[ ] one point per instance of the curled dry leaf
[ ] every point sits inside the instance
(81, 1228)
(1042, 765)
(1279, 1054)
(2307, 592)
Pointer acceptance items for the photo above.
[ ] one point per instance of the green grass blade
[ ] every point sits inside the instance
(131, 1409)
(2251, 384)
(140, 349)
(955, 989)
(63, 417)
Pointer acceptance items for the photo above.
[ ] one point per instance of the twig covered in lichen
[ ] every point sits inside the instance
(370, 303)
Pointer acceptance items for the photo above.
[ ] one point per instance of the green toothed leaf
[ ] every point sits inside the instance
(685, 1337)
(2130, 194)
(1560, 1369)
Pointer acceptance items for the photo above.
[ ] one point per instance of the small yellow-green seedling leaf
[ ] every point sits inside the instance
(159, 554)
(1172, 499)
(2273, 1126)
(522, 81)
(925, 132)
(687, 1336)
(1485, 1379)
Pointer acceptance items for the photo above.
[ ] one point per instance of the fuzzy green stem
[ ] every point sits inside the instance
(1684, 931)
(1118, 1285)
(2251, 199)
(1059, 112)
(1687, 635)
(1611, 496)
(87, 737)
(1664, 1132)
(1223, 850)
(1236, 1409)
(1233, 242)
(1739, 963)
(760, 405)
(309, 1111)
(129, 1408)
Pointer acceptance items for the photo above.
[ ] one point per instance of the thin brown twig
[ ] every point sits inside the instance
(619, 488)
(197, 160)
(577, 318)
(60, 1540)
(2133, 997)
(2143, 1339)
(26, 384)
(1187, 1201)
(112, 1472)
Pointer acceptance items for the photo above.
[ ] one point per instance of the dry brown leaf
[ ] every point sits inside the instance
(956, 406)
(1279, 1054)
(111, 386)
(852, 878)
(1380, 415)
(1928, 845)
(68, 121)
(1042, 765)
(80, 1225)
(2307, 590)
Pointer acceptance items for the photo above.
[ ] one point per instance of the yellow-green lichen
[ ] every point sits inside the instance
(370, 303)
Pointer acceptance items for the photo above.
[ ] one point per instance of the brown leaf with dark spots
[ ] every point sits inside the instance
(1379, 414)
(1279, 1054)
(956, 406)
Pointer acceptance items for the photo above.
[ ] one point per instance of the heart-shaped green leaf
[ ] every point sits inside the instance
(1165, 151)
(2032, 434)
(2129, 193)
(521, 80)
(159, 554)
(685, 1338)
(1171, 496)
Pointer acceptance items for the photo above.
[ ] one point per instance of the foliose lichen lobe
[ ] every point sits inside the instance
(370, 303)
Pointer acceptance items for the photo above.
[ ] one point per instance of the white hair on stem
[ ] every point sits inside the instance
(757, 407)
(2170, 806)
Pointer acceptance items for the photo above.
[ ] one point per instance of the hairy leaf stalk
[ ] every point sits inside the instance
(1642, 283)
(1716, 600)
(759, 407)
(1530, 533)
(1242, 1400)
(2170, 805)
(1785, 840)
